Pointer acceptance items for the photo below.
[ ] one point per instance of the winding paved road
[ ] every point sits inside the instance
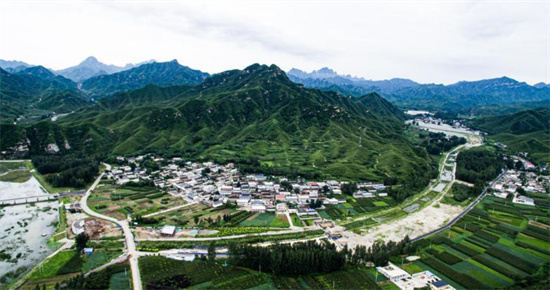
(129, 237)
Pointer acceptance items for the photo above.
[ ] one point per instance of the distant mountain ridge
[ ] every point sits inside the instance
(91, 67)
(158, 73)
(37, 92)
(327, 79)
(467, 95)
(8, 65)
(462, 97)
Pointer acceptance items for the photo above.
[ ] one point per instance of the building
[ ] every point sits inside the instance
(393, 272)
(282, 207)
(421, 280)
(168, 231)
(78, 227)
(88, 251)
(520, 199)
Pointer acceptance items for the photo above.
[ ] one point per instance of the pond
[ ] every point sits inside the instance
(24, 229)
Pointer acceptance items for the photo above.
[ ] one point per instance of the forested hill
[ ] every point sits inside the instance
(36, 91)
(158, 73)
(260, 119)
(519, 123)
(527, 131)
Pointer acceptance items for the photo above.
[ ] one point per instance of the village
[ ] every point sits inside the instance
(215, 185)
(521, 186)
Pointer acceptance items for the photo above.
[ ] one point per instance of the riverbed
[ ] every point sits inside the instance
(24, 229)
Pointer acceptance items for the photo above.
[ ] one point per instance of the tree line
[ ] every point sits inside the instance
(312, 257)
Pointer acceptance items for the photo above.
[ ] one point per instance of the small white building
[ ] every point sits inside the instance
(168, 230)
(520, 199)
(78, 227)
(393, 272)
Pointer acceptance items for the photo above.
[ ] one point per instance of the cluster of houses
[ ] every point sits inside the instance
(512, 180)
(214, 185)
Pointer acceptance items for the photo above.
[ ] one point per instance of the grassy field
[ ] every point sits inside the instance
(17, 176)
(494, 245)
(6, 166)
(57, 264)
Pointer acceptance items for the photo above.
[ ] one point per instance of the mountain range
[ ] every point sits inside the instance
(160, 74)
(255, 117)
(91, 67)
(35, 93)
(500, 94)
(38, 92)
(327, 79)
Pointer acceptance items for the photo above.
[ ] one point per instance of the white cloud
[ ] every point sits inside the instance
(423, 40)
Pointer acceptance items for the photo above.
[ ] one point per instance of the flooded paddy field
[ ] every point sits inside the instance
(24, 229)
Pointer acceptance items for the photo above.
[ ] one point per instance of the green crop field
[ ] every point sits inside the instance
(121, 201)
(57, 264)
(266, 220)
(494, 245)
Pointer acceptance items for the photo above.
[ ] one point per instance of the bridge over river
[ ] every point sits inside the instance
(29, 199)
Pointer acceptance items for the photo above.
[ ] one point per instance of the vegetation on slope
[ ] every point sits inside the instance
(527, 131)
(160, 74)
(262, 121)
(36, 91)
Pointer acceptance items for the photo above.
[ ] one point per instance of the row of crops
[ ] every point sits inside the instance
(158, 272)
(495, 245)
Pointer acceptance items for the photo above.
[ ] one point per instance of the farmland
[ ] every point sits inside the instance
(266, 220)
(67, 264)
(356, 206)
(160, 271)
(496, 245)
(121, 201)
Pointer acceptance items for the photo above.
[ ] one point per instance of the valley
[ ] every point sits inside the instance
(171, 169)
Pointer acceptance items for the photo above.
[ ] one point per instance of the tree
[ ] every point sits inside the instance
(212, 252)
(81, 240)
(196, 220)
(519, 165)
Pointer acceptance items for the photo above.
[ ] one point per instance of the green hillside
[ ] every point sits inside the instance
(161, 74)
(261, 120)
(526, 131)
(36, 92)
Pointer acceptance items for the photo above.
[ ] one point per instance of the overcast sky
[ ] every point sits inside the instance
(427, 41)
